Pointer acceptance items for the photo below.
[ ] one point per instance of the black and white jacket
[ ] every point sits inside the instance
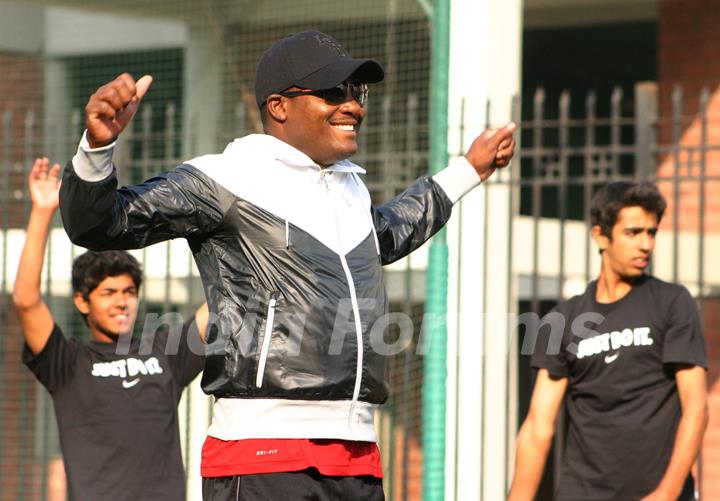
(291, 259)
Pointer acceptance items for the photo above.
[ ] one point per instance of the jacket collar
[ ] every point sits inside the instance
(267, 145)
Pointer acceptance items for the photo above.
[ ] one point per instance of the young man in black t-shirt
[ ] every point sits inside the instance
(116, 404)
(628, 357)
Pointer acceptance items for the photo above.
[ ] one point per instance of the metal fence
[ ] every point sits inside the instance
(30, 454)
(565, 156)
(203, 56)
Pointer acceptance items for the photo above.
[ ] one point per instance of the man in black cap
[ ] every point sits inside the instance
(290, 250)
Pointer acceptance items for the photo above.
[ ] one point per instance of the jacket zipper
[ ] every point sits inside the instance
(358, 334)
(266, 340)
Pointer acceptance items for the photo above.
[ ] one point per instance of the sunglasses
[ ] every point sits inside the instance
(336, 95)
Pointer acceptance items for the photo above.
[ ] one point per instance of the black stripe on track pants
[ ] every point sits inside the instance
(305, 485)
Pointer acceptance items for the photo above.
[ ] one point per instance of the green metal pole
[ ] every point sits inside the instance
(435, 368)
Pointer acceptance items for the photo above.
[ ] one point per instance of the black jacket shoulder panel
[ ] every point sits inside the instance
(182, 202)
(407, 221)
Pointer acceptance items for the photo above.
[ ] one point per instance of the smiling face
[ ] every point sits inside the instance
(111, 308)
(627, 251)
(325, 132)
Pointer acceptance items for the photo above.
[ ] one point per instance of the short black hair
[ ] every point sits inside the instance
(612, 198)
(91, 268)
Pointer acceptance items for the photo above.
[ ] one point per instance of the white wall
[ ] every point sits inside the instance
(77, 32)
(16, 33)
(485, 56)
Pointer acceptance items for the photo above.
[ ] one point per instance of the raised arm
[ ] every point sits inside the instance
(535, 436)
(98, 215)
(111, 108)
(408, 220)
(35, 317)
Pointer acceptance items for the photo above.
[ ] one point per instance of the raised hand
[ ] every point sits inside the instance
(44, 184)
(505, 151)
(111, 108)
(492, 149)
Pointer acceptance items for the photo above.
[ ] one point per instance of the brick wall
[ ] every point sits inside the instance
(711, 444)
(21, 87)
(689, 56)
(688, 42)
(18, 468)
(406, 481)
(21, 93)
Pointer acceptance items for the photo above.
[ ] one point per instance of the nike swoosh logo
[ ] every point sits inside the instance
(130, 384)
(611, 358)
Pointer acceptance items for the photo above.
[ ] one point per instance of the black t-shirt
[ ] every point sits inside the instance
(117, 413)
(622, 400)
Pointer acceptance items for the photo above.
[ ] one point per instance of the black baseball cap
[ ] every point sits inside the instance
(310, 60)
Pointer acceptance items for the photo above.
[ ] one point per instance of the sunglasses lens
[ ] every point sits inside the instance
(339, 94)
(336, 95)
(359, 93)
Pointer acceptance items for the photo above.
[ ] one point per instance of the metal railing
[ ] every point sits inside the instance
(563, 158)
